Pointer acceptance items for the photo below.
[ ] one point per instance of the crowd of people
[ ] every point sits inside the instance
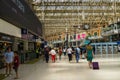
(12, 59)
(86, 52)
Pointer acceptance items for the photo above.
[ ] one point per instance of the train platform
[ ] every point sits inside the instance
(65, 70)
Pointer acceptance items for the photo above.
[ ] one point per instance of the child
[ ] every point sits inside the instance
(16, 63)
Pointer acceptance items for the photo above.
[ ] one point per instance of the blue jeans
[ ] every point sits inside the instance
(77, 57)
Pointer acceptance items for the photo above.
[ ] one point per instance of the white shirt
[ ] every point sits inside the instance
(64, 50)
(52, 52)
(69, 51)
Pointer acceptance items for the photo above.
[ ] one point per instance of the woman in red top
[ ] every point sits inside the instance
(16, 63)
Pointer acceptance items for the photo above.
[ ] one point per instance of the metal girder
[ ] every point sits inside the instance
(79, 3)
(76, 11)
(56, 15)
(53, 31)
(76, 8)
(51, 27)
(64, 23)
(73, 16)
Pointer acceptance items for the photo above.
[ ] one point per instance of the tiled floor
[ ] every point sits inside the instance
(63, 70)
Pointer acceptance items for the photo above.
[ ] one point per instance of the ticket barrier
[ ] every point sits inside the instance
(105, 48)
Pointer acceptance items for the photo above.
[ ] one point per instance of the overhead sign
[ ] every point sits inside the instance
(110, 32)
(95, 37)
(6, 38)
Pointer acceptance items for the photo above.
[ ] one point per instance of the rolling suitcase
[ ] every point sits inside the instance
(95, 65)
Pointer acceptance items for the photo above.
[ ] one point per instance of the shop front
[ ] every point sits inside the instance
(8, 34)
(5, 41)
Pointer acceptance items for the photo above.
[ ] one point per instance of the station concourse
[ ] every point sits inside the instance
(109, 70)
(75, 34)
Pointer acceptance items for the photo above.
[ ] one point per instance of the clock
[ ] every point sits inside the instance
(86, 26)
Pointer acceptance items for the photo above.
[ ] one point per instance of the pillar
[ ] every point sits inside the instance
(15, 44)
(25, 45)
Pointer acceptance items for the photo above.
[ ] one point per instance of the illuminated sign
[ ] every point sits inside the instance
(81, 36)
(78, 36)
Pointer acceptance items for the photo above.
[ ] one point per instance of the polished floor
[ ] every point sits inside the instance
(63, 70)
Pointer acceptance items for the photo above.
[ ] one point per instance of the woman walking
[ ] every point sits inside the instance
(53, 55)
(9, 57)
(69, 52)
(89, 55)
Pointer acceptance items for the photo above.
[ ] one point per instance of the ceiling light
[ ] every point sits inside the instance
(79, 27)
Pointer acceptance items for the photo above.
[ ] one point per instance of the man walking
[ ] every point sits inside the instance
(77, 54)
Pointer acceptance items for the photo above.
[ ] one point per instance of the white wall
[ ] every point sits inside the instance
(9, 29)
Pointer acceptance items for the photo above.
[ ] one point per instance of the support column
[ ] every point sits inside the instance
(95, 48)
(15, 44)
(112, 49)
(101, 50)
(25, 45)
(107, 50)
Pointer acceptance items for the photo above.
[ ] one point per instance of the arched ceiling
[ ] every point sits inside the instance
(57, 15)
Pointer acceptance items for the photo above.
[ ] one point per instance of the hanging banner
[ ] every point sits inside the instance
(83, 36)
(78, 37)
